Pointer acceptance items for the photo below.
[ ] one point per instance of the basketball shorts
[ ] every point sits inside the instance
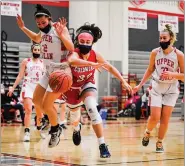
(28, 90)
(73, 95)
(164, 94)
(44, 81)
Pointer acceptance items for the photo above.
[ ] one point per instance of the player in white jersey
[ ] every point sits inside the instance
(32, 70)
(55, 41)
(166, 67)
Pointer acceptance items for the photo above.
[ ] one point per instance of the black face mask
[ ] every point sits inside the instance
(84, 49)
(46, 29)
(164, 45)
(36, 55)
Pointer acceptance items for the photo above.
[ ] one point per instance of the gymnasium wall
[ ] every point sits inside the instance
(9, 25)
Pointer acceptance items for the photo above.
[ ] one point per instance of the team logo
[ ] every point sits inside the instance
(181, 5)
(137, 3)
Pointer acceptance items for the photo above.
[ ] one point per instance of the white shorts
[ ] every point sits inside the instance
(164, 94)
(59, 101)
(44, 81)
(28, 90)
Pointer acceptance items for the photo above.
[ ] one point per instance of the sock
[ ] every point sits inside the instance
(159, 140)
(62, 122)
(39, 127)
(54, 128)
(101, 140)
(77, 128)
(26, 130)
(147, 131)
(46, 117)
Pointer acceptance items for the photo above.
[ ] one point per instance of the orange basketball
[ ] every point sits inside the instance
(60, 81)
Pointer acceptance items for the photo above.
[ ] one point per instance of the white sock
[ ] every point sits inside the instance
(62, 122)
(77, 128)
(101, 140)
(159, 140)
(147, 131)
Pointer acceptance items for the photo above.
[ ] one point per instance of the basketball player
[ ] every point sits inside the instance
(56, 44)
(32, 70)
(83, 90)
(164, 65)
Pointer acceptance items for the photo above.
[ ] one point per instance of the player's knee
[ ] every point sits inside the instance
(28, 109)
(91, 106)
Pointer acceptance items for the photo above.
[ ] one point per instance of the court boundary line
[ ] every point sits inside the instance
(70, 164)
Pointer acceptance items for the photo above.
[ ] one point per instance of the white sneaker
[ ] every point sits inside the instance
(27, 137)
(43, 134)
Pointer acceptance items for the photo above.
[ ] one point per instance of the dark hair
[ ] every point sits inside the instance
(41, 11)
(91, 29)
(33, 45)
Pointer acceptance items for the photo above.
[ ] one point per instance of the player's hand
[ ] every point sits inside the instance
(167, 75)
(136, 89)
(10, 92)
(20, 22)
(126, 86)
(60, 25)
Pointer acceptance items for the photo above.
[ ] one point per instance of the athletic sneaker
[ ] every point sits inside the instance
(104, 152)
(77, 136)
(159, 147)
(145, 140)
(63, 126)
(45, 124)
(55, 138)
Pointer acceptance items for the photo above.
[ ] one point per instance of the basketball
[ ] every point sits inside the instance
(60, 81)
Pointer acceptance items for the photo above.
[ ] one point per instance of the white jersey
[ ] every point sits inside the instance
(33, 71)
(52, 48)
(165, 63)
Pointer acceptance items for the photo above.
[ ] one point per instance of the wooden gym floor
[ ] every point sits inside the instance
(123, 137)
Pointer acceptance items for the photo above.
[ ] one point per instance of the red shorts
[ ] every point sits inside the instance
(73, 96)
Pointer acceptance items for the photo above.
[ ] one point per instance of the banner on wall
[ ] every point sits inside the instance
(172, 20)
(11, 8)
(137, 20)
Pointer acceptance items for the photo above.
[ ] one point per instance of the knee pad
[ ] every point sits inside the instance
(91, 107)
(75, 116)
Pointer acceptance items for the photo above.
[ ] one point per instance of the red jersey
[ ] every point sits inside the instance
(83, 75)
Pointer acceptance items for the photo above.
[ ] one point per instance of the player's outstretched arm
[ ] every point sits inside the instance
(32, 35)
(113, 71)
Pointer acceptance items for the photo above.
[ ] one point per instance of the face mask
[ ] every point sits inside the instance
(36, 55)
(46, 29)
(84, 49)
(164, 45)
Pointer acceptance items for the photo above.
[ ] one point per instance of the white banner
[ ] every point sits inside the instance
(137, 20)
(11, 8)
(171, 20)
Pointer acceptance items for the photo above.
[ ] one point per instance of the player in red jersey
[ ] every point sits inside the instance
(83, 90)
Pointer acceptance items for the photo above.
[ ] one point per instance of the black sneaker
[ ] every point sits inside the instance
(159, 147)
(63, 126)
(104, 152)
(45, 124)
(146, 139)
(77, 137)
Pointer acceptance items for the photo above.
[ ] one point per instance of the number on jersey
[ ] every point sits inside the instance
(84, 77)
